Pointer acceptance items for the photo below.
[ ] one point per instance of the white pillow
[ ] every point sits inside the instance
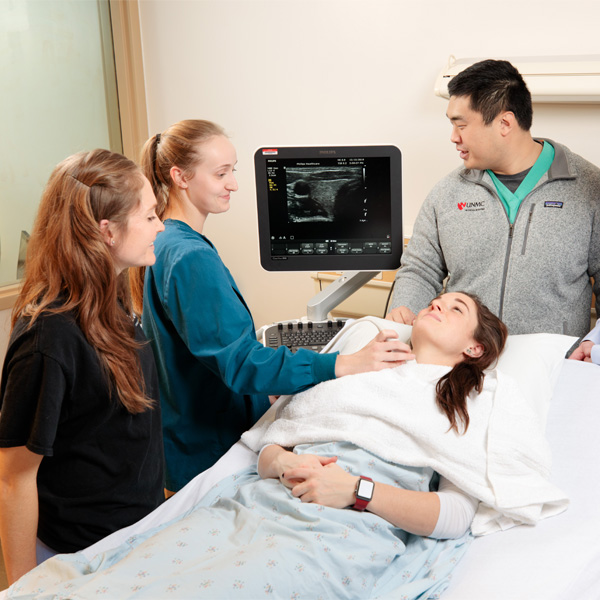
(533, 359)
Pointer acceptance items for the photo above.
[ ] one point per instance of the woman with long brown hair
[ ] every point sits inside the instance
(214, 374)
(81, 450)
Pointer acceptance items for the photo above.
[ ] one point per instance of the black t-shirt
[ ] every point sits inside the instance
(512, 182)
(103, 467)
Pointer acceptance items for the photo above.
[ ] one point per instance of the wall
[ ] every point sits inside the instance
(277, 72)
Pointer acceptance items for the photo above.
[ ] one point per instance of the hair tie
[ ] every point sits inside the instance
(157, 139)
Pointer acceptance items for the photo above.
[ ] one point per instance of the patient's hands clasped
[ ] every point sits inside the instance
(328, 484)
(310, 477)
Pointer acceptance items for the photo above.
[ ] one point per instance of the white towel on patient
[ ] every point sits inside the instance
(503, 459)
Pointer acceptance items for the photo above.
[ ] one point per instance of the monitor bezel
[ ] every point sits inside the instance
(329, 262)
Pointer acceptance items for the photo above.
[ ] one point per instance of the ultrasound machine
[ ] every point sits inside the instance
(335, 209)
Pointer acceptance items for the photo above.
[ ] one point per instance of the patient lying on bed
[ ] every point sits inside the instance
(443, 441)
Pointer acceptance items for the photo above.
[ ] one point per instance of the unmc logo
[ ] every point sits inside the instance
(471, 205)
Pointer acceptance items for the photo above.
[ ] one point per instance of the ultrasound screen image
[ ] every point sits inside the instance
(325, 193)
(328, 199)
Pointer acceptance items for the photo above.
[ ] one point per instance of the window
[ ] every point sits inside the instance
(58, 75)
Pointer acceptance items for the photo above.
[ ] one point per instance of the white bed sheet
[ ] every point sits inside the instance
(558, 559)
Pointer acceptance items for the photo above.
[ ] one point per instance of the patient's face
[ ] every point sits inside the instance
(448, 323)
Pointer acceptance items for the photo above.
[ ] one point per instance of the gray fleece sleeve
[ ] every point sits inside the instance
(423, 269)
(594, 254)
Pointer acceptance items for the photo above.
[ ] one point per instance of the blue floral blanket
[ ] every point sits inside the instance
(250, 538)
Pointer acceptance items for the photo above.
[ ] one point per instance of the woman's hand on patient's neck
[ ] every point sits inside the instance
(382, 352)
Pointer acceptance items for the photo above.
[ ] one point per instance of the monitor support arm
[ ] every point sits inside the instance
(336, 292)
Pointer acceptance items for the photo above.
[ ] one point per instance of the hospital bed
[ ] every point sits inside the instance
(557, 559)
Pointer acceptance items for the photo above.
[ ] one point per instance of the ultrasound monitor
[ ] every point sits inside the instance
(336, 208)
(329, 208)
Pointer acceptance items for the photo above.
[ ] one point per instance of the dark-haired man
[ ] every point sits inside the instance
(518, 225)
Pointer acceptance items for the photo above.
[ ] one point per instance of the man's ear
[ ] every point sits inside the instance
(507, 121)
(178, 178)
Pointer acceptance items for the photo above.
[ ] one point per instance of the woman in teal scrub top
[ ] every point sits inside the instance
(215, 376)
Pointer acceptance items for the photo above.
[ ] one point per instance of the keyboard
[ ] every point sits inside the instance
(309, 335)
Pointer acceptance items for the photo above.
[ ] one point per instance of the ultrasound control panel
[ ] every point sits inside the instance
(321, 248)
(309, 335)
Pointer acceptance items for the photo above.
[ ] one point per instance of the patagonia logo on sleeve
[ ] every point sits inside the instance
(553, 204)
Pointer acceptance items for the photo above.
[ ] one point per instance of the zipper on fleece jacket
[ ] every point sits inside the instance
(505, 270)
(527, 229)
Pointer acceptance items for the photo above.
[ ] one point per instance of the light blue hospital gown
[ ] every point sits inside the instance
(250, 538)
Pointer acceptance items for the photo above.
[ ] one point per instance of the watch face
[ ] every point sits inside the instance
(365, 489)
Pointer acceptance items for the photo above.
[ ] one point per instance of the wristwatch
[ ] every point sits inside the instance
(363, 493)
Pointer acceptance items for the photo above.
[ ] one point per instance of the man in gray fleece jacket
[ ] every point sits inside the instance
(518, 225)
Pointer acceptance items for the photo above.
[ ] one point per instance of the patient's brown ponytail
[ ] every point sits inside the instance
(453, 388)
